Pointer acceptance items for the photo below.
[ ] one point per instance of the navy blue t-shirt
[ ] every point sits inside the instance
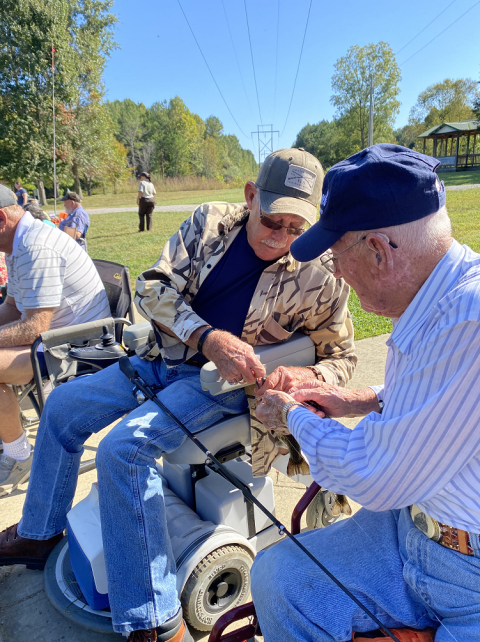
(224, 297)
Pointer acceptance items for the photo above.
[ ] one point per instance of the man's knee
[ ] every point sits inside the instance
(15, 366)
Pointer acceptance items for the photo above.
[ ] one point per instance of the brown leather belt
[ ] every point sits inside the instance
(448, 536)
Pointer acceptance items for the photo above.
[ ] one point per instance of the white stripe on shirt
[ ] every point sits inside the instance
(47, 269)
(425, 447)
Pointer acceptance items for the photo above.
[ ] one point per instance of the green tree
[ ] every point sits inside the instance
(81, 32)
(324, 140)
(213, 127)
(446, 101)
(131, 127)
(116, 168)
(351, 97)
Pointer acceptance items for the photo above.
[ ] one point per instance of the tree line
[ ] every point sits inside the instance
(375, 65)
(97, 143)
(169, 139)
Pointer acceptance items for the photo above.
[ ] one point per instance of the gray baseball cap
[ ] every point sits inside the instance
(7, 197)
(290, 182)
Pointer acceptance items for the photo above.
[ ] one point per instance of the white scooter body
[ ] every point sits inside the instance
(215, 533)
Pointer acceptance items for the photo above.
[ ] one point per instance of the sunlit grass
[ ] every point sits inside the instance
(114, 237)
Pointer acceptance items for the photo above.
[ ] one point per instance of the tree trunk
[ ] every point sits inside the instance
(89, 186)
(76, 179)
(42, 199)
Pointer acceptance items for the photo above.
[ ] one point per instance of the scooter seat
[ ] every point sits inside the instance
(224, 433)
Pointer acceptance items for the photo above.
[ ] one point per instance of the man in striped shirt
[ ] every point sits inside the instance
(412, 554)
(52, 283)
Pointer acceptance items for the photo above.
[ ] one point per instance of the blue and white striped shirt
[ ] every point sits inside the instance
(425, 447)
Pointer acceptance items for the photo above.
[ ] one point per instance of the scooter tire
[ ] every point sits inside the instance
(219, 582)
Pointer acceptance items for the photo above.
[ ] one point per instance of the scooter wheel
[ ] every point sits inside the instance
(317, 515)
(219, 582)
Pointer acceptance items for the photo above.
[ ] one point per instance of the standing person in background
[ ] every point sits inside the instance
(145, 201)
(21, 194)
(77, 222)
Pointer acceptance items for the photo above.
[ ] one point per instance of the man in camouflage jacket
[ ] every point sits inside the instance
(289, 297)
(268, 295)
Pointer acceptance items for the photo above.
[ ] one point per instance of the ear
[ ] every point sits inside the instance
(3, 219)
(250, 192)
(383, 255)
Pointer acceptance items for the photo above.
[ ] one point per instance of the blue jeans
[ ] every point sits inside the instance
(138, 555)
(404, 578)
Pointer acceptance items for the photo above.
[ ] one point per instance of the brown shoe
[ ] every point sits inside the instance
(15, 549)
(150, 635)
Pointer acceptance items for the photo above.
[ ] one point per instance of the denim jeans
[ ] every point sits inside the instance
(404, 578)
(138, 555)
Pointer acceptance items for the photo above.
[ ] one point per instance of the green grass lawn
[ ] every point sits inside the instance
(234, 195)
(114, 237)
(460, 178)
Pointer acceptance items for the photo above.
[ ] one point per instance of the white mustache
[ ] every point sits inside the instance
(274, 244)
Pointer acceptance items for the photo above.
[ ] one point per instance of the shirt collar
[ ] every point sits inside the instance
(438, 284)
(24, 224)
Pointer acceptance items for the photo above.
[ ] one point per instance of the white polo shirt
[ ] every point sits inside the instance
(47, 269)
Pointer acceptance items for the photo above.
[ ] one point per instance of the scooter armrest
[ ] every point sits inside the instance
(298, 351)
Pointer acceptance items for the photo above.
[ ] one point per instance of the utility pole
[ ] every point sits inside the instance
(264, 135)
(54, 143)
(370, 115)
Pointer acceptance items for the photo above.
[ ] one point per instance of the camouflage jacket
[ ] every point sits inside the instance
(289, 297)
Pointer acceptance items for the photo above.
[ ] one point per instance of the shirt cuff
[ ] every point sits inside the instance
(379, 391)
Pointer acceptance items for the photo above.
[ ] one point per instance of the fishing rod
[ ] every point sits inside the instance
(213, 463)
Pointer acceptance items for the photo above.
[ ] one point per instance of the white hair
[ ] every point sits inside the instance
(422, 236)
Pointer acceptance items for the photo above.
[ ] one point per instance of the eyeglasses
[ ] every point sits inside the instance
(272, 225)
(328, 260)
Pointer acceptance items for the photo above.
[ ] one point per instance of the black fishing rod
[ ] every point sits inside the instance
(213, 463)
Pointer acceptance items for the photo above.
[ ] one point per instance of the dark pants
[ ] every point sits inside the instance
(145, 208)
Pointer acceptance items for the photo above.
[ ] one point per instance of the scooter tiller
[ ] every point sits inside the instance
(212, 462)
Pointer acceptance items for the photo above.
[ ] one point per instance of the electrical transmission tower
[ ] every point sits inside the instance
(264, 135)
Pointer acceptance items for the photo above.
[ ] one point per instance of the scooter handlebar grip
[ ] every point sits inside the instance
(126, 367)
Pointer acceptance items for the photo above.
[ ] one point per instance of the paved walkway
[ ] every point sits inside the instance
(25, 611)
(459, 188)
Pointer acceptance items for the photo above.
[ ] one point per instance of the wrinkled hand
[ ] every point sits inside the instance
(285, 378)
(234, 358)
(334, 400)
(269, 410)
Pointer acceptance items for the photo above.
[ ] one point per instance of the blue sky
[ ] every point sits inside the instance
(158, 58)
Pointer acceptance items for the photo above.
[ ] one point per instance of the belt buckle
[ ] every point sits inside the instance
(426, 524)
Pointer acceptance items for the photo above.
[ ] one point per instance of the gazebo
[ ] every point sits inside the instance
(455, 145)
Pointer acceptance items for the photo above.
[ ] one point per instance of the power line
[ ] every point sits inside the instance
(439, 34)
(298, 67)
(236, 58)
(276, 62)
(211, 73)
(425, 28)
(253, 65)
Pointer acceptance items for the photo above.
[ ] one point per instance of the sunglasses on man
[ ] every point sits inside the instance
(273, 225)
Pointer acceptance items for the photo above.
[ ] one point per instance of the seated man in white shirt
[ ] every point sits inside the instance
(412, 554)
(52, 283)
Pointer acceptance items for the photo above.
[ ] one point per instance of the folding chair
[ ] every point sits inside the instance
(116, 280)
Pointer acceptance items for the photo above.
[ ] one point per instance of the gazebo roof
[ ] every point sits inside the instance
(464, 126)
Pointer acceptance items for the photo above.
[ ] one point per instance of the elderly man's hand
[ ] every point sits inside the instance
(336, 401)
(285, 378)
(269, 410)
(234, 358)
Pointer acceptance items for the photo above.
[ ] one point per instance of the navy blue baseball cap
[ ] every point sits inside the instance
(381, 186)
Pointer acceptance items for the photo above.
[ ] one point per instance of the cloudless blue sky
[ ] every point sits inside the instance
(158, 58)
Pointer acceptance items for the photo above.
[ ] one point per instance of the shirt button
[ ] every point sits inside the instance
(209, 266)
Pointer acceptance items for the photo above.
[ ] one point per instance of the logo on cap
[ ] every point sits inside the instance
(323, 202)
(300, 178)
